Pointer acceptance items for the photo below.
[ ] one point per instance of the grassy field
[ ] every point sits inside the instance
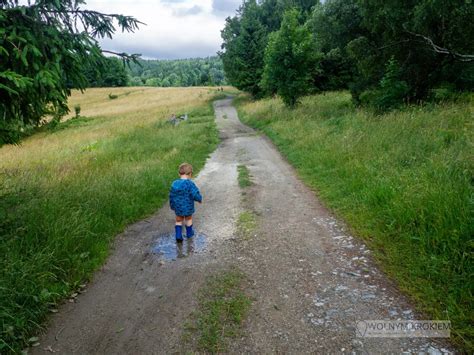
(65, 192)
(403, 181)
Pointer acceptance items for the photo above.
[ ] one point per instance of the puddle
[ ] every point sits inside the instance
(165, 246)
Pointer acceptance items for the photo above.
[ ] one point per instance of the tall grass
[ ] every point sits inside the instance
(403, 181)
(65, 193)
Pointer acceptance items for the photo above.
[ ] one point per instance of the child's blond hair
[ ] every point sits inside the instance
(185, 169)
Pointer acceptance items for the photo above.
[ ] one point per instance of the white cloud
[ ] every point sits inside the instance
(175, 28)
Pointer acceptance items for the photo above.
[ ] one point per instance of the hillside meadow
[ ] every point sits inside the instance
(67, 190)
(402, 181)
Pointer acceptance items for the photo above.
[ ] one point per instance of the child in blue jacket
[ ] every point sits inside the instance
(183, 193)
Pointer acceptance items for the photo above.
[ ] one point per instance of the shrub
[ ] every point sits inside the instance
(391, 92)
(288, 59)
(77, 110)
(444, 92)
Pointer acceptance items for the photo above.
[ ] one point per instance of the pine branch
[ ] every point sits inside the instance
(126, 57)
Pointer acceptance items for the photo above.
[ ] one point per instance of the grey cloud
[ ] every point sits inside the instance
(226, 7)
(177, 50)
(182, 29)
(188, 11)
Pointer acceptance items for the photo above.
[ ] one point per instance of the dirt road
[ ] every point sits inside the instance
(310, 281)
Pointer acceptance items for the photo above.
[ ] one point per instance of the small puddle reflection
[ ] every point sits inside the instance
(166, 246)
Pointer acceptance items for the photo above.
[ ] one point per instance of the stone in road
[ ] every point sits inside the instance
(310, 281)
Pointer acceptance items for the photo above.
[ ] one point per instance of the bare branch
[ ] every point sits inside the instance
(445, 51)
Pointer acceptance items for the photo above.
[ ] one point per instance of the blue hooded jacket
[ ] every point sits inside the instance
(183, 193)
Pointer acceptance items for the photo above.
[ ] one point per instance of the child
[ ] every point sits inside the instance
(183, 193)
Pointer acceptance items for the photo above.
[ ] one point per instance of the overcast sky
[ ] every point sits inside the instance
(175, 28)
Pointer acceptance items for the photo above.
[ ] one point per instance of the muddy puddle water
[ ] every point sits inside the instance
(165, 246)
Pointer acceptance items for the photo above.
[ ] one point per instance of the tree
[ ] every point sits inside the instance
(334, 24)
(244, 41)
(43, 48)
(288, 60)
(136, 81)
(174, 79)
(246, 35)
(271, 11)
(216, 76)
(304, 6)
(153, 82)
(164, 83)
(181, 72)
(110, 72)
(391, 90)
(406, 32)
(412, 46)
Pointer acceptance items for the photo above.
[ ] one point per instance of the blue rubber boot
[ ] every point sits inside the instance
(189, 231)
(179, 233)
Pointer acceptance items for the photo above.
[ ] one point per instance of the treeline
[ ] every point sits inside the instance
(181, 72)
(106, 72)
(385, 53)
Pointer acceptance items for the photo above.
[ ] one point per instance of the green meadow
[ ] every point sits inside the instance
(403, 181)
(66, 191)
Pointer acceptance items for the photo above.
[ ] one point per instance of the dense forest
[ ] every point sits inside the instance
(181, 72)
(165, 73)
(107, 72)
(386, 53)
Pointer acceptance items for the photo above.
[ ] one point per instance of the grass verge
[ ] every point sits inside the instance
(403, 181)
(65, 194)
(244, 176)
(246, 224)
(223, 306)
